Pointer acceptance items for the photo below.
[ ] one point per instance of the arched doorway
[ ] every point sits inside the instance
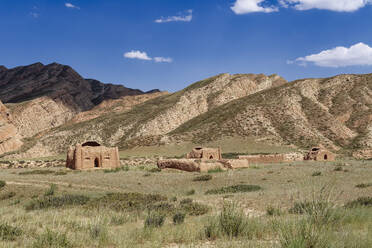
(96, 163)
(325, 157)
(211, 157)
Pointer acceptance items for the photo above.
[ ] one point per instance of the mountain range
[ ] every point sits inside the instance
(50, 107)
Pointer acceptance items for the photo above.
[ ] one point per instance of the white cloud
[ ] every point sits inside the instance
(358, 54)
(334, 5)
(187, 17)
(137, 55)
(250, 6)
(70, 5)
(163, 60)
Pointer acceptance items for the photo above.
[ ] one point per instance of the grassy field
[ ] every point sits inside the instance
(277, 205)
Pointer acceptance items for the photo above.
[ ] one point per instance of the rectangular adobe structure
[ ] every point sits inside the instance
(92, 155)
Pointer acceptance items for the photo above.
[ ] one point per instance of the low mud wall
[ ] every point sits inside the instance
(272, 158)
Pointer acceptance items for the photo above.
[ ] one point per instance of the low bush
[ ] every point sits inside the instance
(338, 168)
(126, 201)
(37, 172)
(123, 168)
(232, 221)
(216, 170)
(178, 218)
(9, 233)
(7, 196)
(360, 202)
(51, 190)
(2, 184)
(194, 208)
(273, 211)
(190, 192)
(363, 185)
(234, 189)
(316, 174)
(98, 231)
(155, 170)
(186, 201)
(60, 173)
(203, 178)
(57, 202)
(50, 239)
(211, 230)
(154, 219)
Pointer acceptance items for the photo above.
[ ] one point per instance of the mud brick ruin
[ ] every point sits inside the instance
(91, 155)
(205, 153)
(319, 154)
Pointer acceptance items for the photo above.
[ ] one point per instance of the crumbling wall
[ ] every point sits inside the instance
(198, 165)
(272, 158)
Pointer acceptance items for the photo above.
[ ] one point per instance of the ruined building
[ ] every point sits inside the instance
(92, 155)
(205, 153)
(319, 154)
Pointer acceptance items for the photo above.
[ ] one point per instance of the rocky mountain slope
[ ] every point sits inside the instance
(43, 97)
(10, 140)
(335, 112)
(146, 123)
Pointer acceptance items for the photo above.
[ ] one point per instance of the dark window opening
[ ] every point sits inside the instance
(315, 149)
(198, 148)
(96, 163)
(91, 143)
(211, 157)
(325, 157)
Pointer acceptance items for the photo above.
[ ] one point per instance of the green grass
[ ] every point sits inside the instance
(114, 207)
(242, 188)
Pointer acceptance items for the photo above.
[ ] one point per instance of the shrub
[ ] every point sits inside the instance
(123, 168)
(178, 218)
(216, 170)
(273, 211)
(186, 201)
(232, 220)
(338, 168)
(7, 196)
(60, 173)
(98, 231)
(360, 202)
(154, 219)
(316, 174)
(211, 230)
(155, 170)
(51, 190)
(190, 192)
(194, 208)
(301, 234)
(57, 202)
(202, 178)
(234, 189)
(50, 239)
(363, 185)
(37, 172)
(2, 184)
(126, 201)
(9, 233)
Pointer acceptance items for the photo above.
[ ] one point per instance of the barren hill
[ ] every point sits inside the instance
(146, 123)
(335, 112)
(43, 97)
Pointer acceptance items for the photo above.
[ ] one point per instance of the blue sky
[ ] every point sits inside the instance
(169, 44)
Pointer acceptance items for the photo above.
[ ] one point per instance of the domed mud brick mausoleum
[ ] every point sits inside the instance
(92, 155)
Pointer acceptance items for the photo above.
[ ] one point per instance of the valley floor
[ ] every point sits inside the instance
(302, 204)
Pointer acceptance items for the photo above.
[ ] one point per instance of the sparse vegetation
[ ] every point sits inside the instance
(316, 174)
(202, 178)
(242, 188)
(178, 218)
(50, 239)
(57, 202)
(363, 185)
(8, 232)
(154, 219)
(2, 184)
